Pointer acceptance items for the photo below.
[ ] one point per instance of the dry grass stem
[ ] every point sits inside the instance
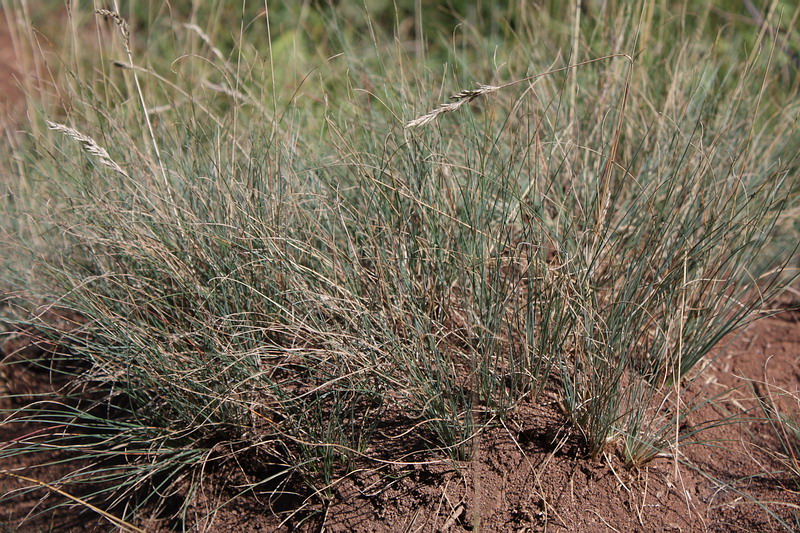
(120, 523)
(236, 95)
(206, 39)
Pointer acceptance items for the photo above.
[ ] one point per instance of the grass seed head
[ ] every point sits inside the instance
(89, 145)
(459, 99)
(124, 29)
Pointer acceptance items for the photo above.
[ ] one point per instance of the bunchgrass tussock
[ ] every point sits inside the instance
(326, 293)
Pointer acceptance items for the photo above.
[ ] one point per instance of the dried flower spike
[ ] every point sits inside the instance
(124, 29)
(89, 145)
(466, 96)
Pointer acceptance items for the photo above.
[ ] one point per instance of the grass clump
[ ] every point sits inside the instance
(297, 272)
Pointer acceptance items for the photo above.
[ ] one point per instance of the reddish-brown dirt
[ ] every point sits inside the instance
(531, 476)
